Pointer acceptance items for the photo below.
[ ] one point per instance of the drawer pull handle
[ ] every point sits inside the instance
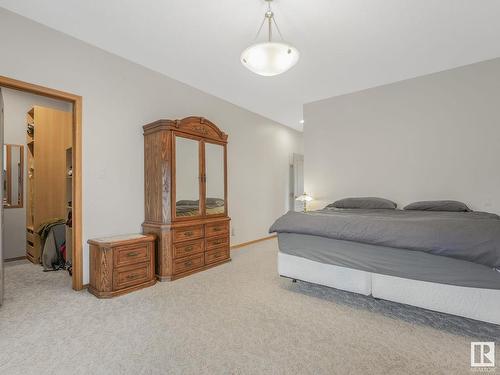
(188, 248)
(218, 255)
(132, 277)
(218, 242)
(217, 229)
(132, 254)
(188, 263)
(189, 233)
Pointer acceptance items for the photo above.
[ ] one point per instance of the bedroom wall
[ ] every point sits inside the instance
(118, 98)
(432, 137)
(16, 104)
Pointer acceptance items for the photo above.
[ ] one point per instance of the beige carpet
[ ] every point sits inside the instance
(240, 318)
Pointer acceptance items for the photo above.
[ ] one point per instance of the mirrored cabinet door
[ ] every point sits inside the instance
(215, 197)
(187, 173)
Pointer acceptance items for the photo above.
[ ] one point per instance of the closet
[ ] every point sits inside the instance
(48, 144)
(186, 195)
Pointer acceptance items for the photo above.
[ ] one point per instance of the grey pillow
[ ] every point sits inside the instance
(450, 206)
(364, 202)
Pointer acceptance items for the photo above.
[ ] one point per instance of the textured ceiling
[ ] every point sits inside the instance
(345, 45)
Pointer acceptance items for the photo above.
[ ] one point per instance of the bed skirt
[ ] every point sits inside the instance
(475, 303)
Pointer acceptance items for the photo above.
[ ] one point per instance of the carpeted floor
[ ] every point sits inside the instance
(239, 318)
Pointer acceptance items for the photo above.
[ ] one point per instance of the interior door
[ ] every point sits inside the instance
(215, 179)
(187, 190)
(297, 185)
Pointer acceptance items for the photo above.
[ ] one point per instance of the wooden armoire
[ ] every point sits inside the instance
(185, 181)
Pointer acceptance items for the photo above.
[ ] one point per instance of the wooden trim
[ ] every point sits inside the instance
(76, 101)
(234, 247)
(189, 125)
(14, 259)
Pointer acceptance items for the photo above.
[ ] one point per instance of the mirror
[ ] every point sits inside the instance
(13, 167)
(187, 172)
(214, 169)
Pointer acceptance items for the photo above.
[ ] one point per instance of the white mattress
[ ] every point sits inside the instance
(474, 303)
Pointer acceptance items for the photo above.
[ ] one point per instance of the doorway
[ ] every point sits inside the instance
(296, 182)
(72, 159)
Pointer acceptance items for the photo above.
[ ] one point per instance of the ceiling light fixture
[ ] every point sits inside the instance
(270, 58)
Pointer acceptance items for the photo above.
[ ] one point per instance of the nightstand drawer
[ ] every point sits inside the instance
(215, 242)
(216, 229)
(30, 236)
(216, 255)
(132, 254)
(184, 249)
(131, 275)
(30, 251)
(189, 263)
(187, 233)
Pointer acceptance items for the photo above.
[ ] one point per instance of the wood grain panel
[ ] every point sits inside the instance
(124, 277)
(216, 229)
(157, 184)
(183, 249)
(189, 263)
(101, 269)
(131, 254)
(51, 128)
(216, 255)
(188, 233)
(212, 243)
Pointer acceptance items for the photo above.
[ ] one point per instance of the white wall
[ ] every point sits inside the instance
(16, 104)
(118, 98)
(432, 137)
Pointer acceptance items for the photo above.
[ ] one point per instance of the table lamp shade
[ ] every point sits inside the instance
(304, 198)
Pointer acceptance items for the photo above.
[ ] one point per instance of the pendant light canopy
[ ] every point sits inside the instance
(270, 58)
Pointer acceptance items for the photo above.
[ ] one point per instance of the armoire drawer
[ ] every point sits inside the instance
(216, 229)
(132, 254)
(215, 242)
(216, 255)
(183, 249)
(189, 263)
(187, 233)
(131, 275)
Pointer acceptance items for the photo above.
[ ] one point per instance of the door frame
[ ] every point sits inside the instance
(76, 101)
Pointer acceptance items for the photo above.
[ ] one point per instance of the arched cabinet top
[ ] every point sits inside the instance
(193, 125)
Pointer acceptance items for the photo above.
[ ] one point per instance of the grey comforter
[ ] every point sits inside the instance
(470, 236)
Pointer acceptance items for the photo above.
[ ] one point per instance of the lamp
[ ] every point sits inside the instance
(304, 198)
(270, 58)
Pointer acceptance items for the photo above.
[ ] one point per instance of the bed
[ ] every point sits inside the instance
(442, 261)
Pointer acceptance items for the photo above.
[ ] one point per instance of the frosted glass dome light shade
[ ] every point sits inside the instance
(270, 58)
